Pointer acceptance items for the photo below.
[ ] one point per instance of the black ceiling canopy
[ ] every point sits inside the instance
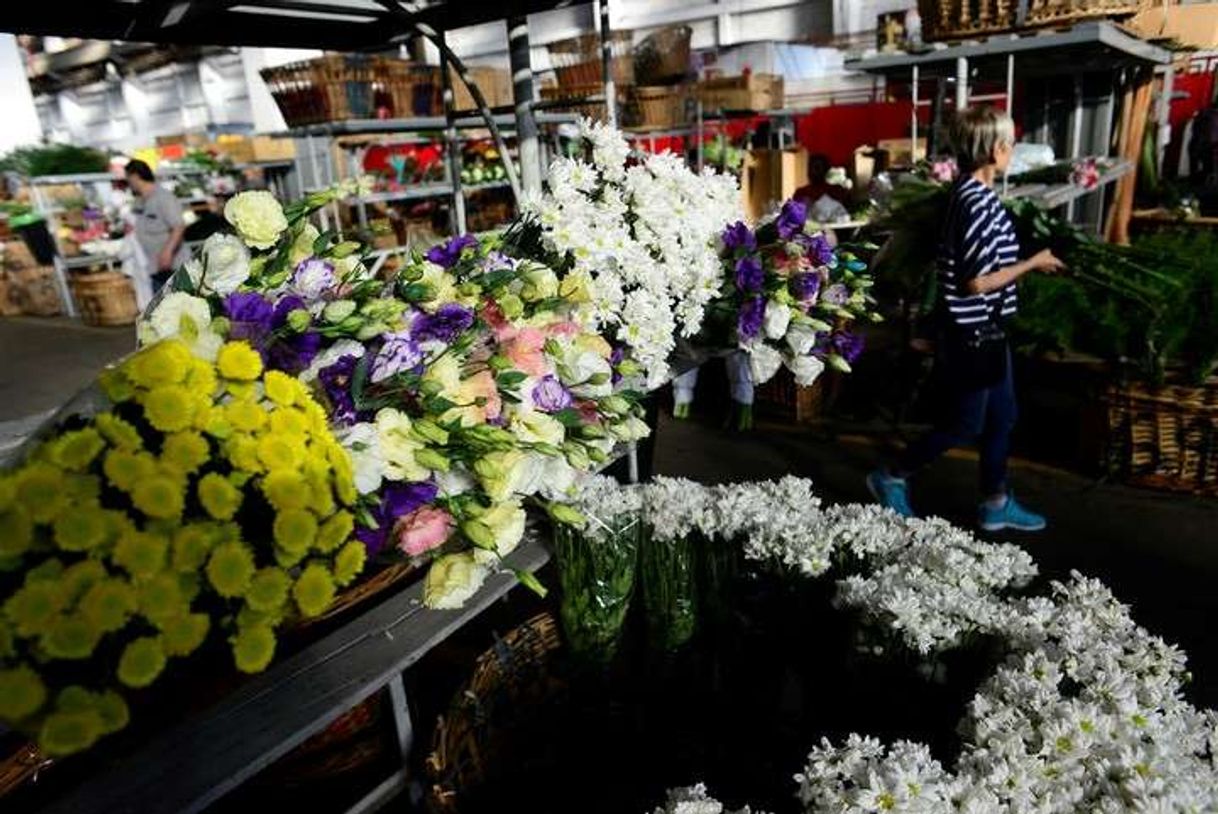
(339, 25)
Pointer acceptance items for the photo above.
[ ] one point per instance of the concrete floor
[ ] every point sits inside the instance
(1158, 551)
(45, 362)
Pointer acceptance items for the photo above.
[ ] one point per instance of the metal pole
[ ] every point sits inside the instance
(453, 146)
(522, 97)
(961, 84)
(602, 7)
(913, 115)
(1010, 109)
(1164, 115)
(1076, 133)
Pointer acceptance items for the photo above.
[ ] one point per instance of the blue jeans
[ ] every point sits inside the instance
(986, 415)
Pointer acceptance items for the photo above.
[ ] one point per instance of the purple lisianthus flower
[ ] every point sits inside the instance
(791, 219)
(615, 358)
(444, 325)
(336, 382)
(749, 275)
(397, 500)
(550, 396)
(249, 315)
(400, 352)
(818, 250)
(837, 294)
(447, 254)
(739, 236)
(845, 344)
(312, 276)
(752, 314)
(804, 287)
(293, 354)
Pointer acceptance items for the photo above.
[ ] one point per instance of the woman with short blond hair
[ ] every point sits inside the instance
(977, 266)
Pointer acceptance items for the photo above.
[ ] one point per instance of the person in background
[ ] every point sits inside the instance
(818, 185)
(978, 264)
(158, 222)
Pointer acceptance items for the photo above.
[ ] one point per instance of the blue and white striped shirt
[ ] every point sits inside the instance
(978, 238)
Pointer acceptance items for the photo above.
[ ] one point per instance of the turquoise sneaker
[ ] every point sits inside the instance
(1010, 516)
(890, 492)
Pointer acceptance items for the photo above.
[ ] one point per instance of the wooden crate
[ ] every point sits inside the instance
(782, 398)
(266, 148)
(959, 19)
(495, 84)
(769, 177)
(754, 91)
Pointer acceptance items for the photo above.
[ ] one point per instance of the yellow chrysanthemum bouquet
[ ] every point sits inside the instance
(209, 501)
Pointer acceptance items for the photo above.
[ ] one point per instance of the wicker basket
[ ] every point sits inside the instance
(507, 679)
(956, 19)
(413, 90)
(660, 106)
(663, 57)
(782, 398)
(21, 766)
(105, 298)
(359, 593)
(577, 60)
(1166, 438)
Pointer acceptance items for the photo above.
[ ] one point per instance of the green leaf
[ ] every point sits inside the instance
(510, 379)
(528, 580)
(323, 240)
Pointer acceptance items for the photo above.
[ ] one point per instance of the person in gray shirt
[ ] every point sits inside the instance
(158, 222)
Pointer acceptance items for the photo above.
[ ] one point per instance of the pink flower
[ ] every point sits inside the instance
(525, 351)
(482, 385)
(423, 529)
(562, 329)
(493, 315)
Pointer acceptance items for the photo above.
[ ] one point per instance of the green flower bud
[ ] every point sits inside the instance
(512, 306)
(339, 310)
(479, 534)
(615, 404)
(431, 459)
(577, 454)
(299, 319)
(426, 430)
(344, 249)
(562, 513)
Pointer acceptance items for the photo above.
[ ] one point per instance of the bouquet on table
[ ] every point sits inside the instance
(210, 499)
(791, 299)
(460, 388)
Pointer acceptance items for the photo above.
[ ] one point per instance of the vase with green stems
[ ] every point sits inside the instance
(596, 573)
(669, 582)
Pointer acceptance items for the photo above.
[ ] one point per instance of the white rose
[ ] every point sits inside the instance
(184, 316)
(398, 446)
(257, 217)
(362, 443)
(801, 339)
(535, 427)
(226, 264)
(806, 369)
(455, 482)
(777, 318)
(506, 522)
(452, 579)
(764, 362)
(558, 478)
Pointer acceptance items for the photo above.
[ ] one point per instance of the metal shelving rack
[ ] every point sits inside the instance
(315, 162)
(278, 177)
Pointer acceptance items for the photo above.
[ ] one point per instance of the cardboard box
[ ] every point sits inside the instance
(769, 177)
(189, 140)
(754, 91)
(495, 84)
(899, 154)
(266, 148)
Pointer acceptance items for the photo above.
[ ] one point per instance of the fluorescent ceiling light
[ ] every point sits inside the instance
(305, 15)
(353, 5)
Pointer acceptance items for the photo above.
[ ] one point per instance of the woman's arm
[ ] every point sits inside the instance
(1041, 261)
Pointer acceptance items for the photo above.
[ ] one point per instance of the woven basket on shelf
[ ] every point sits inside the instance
(507, 679)
(955, 19)
(105, 298)
(573, 98)
(659, 106)
(663, 57)
(577, 60)
(1166, 438)
(413, 90)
